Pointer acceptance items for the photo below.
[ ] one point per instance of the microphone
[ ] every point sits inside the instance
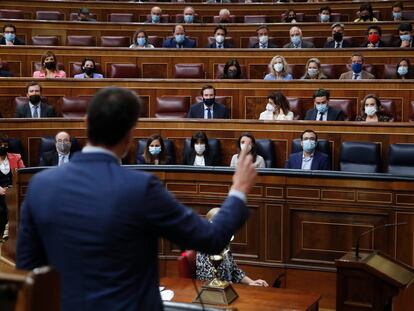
(372, 230)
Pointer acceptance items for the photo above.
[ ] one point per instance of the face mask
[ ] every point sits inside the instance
(356, 67)
(373, 38)
(179, 38)
(63, 147)
(295, 40)
(364, 17)
(322, 108)
(263, 39)
(246, 147)
(232, 74)
(312, 72)
(155, 18)
(9, 36)
(397, 15)
(141, 41)
(269, 107)
(3, 151)
(278, 67)
(337, 36)
(402, 70)
(88, 70)
(324, 18)
(50, 65)
(219, 39)
(188, 19)
(406, 37)
(154, 150)
(290, 19)
(370, 110)
(309, 145)
(199, 148)
(208, 101)
(34, 99)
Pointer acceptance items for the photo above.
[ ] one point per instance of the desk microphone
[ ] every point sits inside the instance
(374, 229)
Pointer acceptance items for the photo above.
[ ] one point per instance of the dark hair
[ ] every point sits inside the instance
(46, 55)
(9, 26)
(262, 27)
(405, 27)
(409, 68)
(199, 136)
(358, 54)
(206, 87)
(134, 38)
(4, 138)
(325, 8)
(162, 156)
(286, 14)
(220, 27)
(309, 131)
(398, 4)
(32, 83)
(253, 151)
(377, 103)
(232, 62)
(112, 113)
(367, 7)
(88, 59)
(280, 100)
(377, 28)
(321, 93)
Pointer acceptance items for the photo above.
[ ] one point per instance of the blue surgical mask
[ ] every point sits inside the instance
(188, 19)
(155, 150)
(9, 36)
(141, 41)
(406, 37)
(356, 67)
(322, 108)
(309, 145)
(397, 15)
(179, 38)
(155, 18)
(324, 18)
(296, 40)
(402, 70)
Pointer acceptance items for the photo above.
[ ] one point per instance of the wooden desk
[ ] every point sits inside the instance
(250, 297)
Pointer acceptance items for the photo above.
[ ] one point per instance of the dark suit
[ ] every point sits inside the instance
(397, 43)
(219, 111)
(333, 114)
(270, 45)
(17, 41)
(381, 44)
(331, 44)
(99, 224)
(171, 43)
(305, 45)
(209, 159)
(226, 45)
(51, 158)
(46, 111)
(320, 161)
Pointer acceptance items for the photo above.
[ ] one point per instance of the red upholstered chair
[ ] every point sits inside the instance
(216, 19)
(155, 41)
(172, 106)
(218, 99)
(165, 18)
(408, 14)
(75, 107)
(11, 14)
(388, 39)
(252, 19)
(121, 17)
(187, 264)
(80, 41)
(4, 65)
(74, 16)
(219, 69)
(45, 40)
(329, 71)
(23, 100)
(345, 105)
(295, 105)
(296, 70)
(123, 71)
(49, 15)
(389, 71)
(76, 68)
(389, 108)
(188, 71)
(115, 41)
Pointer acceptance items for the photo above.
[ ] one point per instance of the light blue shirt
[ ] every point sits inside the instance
(307, 162)
(270, 76)
(32, 109)
(206, 111)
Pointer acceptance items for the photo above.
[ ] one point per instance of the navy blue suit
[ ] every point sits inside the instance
(98, 224)
(219, 111)
(320, 161)
(333, 114)
(171, 43)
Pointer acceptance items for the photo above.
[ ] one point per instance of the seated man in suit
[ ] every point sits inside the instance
(208, 108)
(220, 33)
(61, 154)
(189, 15)
(179, 40)
(373, 39)
(155, 16)
(322, 111)
(35, 108)
(309, 159)
(357, 73)
(296, 41)
(337, 41)
(85, 16)
(263, 36)
(405, 39)
(9, 36)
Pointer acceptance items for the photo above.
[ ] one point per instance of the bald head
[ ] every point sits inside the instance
(211, 213)
(156, 10)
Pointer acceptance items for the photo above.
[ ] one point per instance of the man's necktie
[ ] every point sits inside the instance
(35, 111)
(337, 45)
(208, 113)
(220, 46)
(356, 75)
(61, 159)
(321, 116)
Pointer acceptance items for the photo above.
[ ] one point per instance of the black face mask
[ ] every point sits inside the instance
(50, 65)
(364, 17)
(290, 19)
(337, 36)
(88, 70)
(232, 74)
(3, 151)
(208, 101)
(34, 99)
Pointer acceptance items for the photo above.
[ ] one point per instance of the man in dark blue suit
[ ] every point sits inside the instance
(337, 41)
(208, 108)
(263, 39)
(309, 159)
(179, 40)
(322, 111)
(98, 223)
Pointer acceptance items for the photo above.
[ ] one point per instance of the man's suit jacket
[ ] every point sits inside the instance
(364, 75)
(305, 44)
(209, 159)
(320, 161)
(270, 45)
(46, 111)
(333, 114)
(51, 158)
(219, 111)
(98, 224)
(381, 44)
(171, 43)
(226, 45)
(331, 44)
(17, 41)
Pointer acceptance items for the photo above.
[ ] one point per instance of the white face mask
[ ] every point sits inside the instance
(246, 147)
(269, 107)
(278, 67)
(199, 148)
(370, 110)
(312, 72)
(263, 39)
(219, 39)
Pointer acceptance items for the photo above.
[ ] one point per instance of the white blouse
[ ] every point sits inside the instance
(199, 160)
(268, 115)
(260, 163)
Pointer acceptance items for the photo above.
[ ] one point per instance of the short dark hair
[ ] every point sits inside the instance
(232, 62)
(398, 4)
(220, 27)
(366, 6)
(32, 83)
(9, 25)
(377, 28)
(199, 136)
(112, 112)
(4, 138)
(134, 38)
(359, 54)
(263, 26)
(88, 59)
(309, 131)
(280, 99)
(206, 87)
(325, 8)
(405, 27)
(321, 93)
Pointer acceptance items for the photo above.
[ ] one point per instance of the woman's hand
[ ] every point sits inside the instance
(259, 282)
(3, 190)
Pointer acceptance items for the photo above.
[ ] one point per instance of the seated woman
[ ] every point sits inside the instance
(366, 14)
(200, 154)
(8, 163)
(232, 70)
(247, 142)
(403, 70)
(278, 68)
(154, 152)
(89, 70)
(313, 70)
(140, 40)
(277, 108)
(49, 67)
(227, 270)
(372, 110)
(289, 16)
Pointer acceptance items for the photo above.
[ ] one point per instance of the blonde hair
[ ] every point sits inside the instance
(285, 70)
(318, 64)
